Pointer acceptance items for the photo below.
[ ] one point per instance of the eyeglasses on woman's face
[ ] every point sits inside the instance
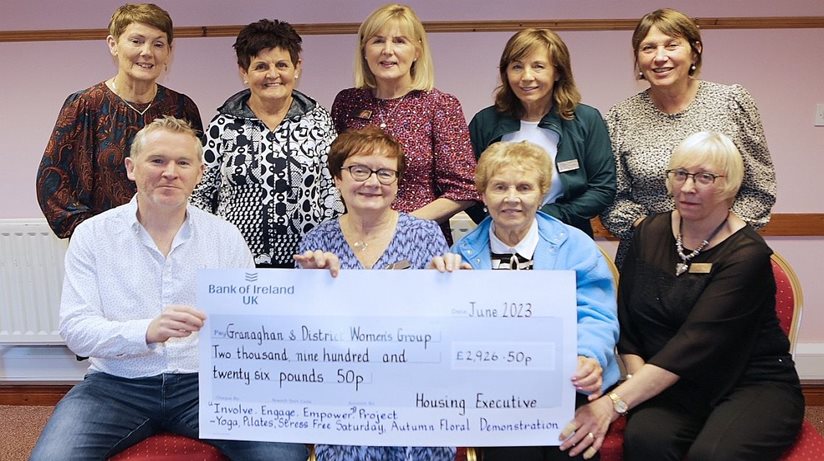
(700, 178)
(361, 173)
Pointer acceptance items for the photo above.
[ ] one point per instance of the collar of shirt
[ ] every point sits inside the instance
(526, 247)
(183, 234)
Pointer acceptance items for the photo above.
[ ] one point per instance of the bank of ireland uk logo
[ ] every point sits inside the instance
(250, 277)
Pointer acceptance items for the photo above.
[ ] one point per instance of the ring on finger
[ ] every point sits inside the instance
(591, 435)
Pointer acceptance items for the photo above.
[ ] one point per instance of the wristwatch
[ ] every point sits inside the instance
(618, 403)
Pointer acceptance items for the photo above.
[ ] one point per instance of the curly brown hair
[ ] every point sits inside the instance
(265, 34)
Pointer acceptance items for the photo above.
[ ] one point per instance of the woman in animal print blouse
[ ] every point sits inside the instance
(645, 128)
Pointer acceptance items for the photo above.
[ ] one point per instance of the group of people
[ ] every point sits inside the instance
(679, 172)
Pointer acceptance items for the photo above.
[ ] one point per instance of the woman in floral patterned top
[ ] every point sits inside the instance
(394, 90)
(82, 171)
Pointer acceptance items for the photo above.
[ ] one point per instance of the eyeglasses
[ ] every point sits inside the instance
(702, 178)
(361, 173)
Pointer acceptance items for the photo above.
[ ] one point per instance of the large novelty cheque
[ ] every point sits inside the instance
(473, 358)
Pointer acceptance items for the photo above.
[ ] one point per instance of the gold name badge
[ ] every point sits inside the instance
(700, 268)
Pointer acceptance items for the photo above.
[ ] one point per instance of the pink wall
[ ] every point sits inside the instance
(782, 69)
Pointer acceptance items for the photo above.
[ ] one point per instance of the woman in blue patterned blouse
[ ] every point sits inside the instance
(367, 165)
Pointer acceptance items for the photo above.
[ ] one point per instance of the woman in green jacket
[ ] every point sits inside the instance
(538, 101)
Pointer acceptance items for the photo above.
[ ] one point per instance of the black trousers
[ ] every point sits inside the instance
(756, 421)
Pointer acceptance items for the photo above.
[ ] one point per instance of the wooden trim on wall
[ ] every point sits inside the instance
(813, 392)
(32, 394)
(795, 225)
(781, 225)
(770, 22)
(27, 394)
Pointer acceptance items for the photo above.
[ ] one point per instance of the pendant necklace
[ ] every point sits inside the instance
(361, 245)
(358, 246)
(140, 112)
(391, 111)
(682, 267)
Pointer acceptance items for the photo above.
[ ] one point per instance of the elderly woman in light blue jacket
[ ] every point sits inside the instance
(512, 179)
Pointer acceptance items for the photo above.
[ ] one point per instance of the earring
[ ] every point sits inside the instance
(640, 76)
(245, 82)
(692, 67)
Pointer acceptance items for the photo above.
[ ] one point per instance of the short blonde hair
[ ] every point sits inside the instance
(565, 95)
(673, 23)
(165, 123)
(144, 13)
(423, 73)
(716, 149)
(523, 155)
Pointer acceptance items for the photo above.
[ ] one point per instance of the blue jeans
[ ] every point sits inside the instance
(105, 414)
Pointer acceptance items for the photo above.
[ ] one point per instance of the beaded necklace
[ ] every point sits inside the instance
(682, 267)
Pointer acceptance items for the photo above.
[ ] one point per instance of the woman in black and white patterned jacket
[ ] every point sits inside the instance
(266, 151)
(645, 128)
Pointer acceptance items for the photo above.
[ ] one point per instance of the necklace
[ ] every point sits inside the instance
(376, 235)
(141, 112)
(391, 111)
(682, 267)
(358, 246)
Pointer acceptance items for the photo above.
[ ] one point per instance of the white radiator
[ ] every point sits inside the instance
(31, 278)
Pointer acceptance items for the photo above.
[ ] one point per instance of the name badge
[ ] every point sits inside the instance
(365, 114)
(568, 165)
(700, 268)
